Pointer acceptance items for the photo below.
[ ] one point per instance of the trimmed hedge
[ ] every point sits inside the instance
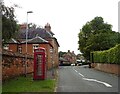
(108, 56)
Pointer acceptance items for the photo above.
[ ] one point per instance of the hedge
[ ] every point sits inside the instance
(108, 56)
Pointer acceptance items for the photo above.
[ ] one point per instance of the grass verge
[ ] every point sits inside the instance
(27, 84)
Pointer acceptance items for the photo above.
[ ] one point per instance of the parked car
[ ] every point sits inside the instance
(79, 64)
(72, 64)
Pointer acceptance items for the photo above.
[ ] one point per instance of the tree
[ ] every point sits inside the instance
(98, 24)
(96, 35)
(9, 24)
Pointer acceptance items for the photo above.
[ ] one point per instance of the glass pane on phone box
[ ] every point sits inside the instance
(39, 58)
(39, 72)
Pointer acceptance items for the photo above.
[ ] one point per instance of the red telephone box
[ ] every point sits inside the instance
(39, 64)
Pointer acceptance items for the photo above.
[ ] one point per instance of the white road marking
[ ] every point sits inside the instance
(81, 75)
(78, 73)
(74, 70)
(106, 84)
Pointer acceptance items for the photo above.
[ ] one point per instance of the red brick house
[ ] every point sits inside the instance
(70, 57)
(38, 37)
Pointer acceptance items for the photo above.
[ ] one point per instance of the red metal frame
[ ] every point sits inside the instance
(39, 64)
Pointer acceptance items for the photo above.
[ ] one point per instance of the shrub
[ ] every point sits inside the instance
(108, 56)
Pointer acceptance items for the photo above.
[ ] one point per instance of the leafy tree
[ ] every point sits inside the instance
(9, 24)
(96, 35)
(97, 24)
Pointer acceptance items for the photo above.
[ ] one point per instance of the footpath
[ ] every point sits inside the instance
(52, 73)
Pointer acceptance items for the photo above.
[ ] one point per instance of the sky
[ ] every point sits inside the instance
(66, 17)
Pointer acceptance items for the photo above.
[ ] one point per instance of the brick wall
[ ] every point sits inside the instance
(13, 64)
(110, 68)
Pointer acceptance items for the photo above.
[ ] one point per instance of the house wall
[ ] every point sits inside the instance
(71, 57)
(55, 52)
(46, 46)
(48, 55)
(29, 49)
(13, 47)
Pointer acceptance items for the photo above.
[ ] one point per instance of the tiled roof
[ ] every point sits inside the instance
(63, 59)
(33, 32)
(13, 41)
(56, 41)
(37, 39)
(42, 36)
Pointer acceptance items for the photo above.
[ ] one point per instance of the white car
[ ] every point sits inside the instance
(72, 64)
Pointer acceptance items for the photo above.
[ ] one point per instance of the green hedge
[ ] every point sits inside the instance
(108, 56)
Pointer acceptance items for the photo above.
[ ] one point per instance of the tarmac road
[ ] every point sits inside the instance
(84, 79)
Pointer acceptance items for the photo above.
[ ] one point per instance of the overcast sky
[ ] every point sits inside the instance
(66, 17)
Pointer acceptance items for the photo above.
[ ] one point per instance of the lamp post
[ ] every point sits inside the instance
(26, 42)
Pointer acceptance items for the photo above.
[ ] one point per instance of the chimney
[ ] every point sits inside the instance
(68, 51)
(47, 27)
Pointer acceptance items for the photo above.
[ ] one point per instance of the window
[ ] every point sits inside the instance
(35, 46)
(20, 49)
(51, 50)
(6, 47)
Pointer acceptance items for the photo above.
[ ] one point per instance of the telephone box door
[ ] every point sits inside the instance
(39, 64)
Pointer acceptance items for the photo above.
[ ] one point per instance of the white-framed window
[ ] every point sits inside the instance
(6, 47)
(20, 49)
(51, 50)
(35, 46)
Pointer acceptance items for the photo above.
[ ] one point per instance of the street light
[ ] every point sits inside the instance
(26, 42)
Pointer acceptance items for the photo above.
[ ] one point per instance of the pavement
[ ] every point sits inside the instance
(52, 73)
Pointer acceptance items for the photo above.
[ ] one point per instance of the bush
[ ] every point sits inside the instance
(108, 56)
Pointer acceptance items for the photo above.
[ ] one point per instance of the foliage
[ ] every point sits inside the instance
(9, 24)
(108, 56)
(97, 24)
(96, 35)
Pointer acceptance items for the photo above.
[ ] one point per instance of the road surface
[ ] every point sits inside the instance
(84, 79)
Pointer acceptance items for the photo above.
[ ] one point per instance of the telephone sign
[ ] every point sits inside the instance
(39, 64)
